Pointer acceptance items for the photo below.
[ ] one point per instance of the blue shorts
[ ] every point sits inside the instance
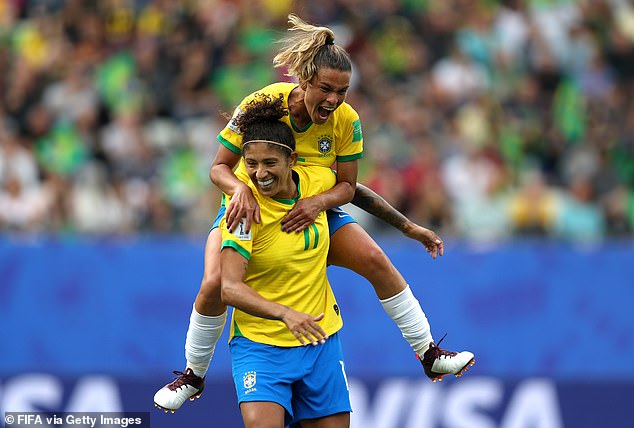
(308, 381)
(336, 218)
(221, 214)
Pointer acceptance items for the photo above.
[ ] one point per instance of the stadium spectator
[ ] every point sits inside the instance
(557, 73)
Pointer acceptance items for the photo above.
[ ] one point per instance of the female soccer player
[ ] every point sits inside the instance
(327, 131)
(277, 283)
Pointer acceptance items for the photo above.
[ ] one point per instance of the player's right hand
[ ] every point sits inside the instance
(303, 214)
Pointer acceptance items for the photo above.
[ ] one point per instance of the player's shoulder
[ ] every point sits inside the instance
(346, 112)
(314, 179)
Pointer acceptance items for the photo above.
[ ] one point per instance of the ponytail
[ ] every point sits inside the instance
(309, 48)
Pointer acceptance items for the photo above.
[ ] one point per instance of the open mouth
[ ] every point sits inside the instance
(324, 112)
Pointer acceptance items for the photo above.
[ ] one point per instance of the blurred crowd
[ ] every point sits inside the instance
(484, 120)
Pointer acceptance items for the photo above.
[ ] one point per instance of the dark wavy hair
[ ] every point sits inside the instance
(260, 120)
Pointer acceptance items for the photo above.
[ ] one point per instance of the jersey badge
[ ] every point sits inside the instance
(232, 123)
(241, 232)
(324, 144)
(249, 380)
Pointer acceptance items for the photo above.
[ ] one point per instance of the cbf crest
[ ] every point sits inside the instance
(249, 380)
(324, 144)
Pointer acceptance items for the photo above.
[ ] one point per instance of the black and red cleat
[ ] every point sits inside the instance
(438, 362)
(186, 386)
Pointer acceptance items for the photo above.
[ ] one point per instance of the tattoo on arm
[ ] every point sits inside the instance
(374, 204)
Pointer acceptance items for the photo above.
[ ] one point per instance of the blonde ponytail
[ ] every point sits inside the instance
(308, 48)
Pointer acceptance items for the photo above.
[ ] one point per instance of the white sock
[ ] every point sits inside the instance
(406, 312)
(202, 336)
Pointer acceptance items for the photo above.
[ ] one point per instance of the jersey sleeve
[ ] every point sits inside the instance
(350, 136)
(231, 138)
(230, 135)
(239, 239)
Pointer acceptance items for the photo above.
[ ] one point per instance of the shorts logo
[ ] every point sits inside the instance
(324, 144)
(249, 380)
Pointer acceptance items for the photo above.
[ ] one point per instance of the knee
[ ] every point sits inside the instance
(211, 279)
(376, 267)
(209, 293)
(374, 258)
(255, 420)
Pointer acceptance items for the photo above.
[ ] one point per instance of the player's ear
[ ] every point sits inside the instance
(293, 158)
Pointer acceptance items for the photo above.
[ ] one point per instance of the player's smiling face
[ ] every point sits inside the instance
(325, 92)
(269, 168)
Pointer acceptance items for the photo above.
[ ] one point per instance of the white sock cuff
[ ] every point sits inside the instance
(400, 303)
(208, 320)
(406, 312)
(202, 335)
(400, 297)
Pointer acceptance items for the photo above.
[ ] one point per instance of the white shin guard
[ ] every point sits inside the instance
(202, 336)
(408, 315)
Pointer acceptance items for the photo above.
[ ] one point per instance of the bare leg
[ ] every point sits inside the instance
(396, 298)
(208, 299)
(389, 285)
(369, 260)
(206, 323)
(262, 414)
(340, 420)
(208, 317)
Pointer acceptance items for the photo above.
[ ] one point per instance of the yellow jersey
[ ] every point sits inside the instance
(288, 268)
(340, 139)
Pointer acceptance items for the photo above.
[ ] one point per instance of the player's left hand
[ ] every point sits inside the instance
(302, 215)
(432, 242)
(305, 327)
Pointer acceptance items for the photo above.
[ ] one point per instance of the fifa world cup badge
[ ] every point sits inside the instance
(241, 232)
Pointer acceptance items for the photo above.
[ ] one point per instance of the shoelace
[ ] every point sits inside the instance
(442, 352)
(184, 378)
(441, 339)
